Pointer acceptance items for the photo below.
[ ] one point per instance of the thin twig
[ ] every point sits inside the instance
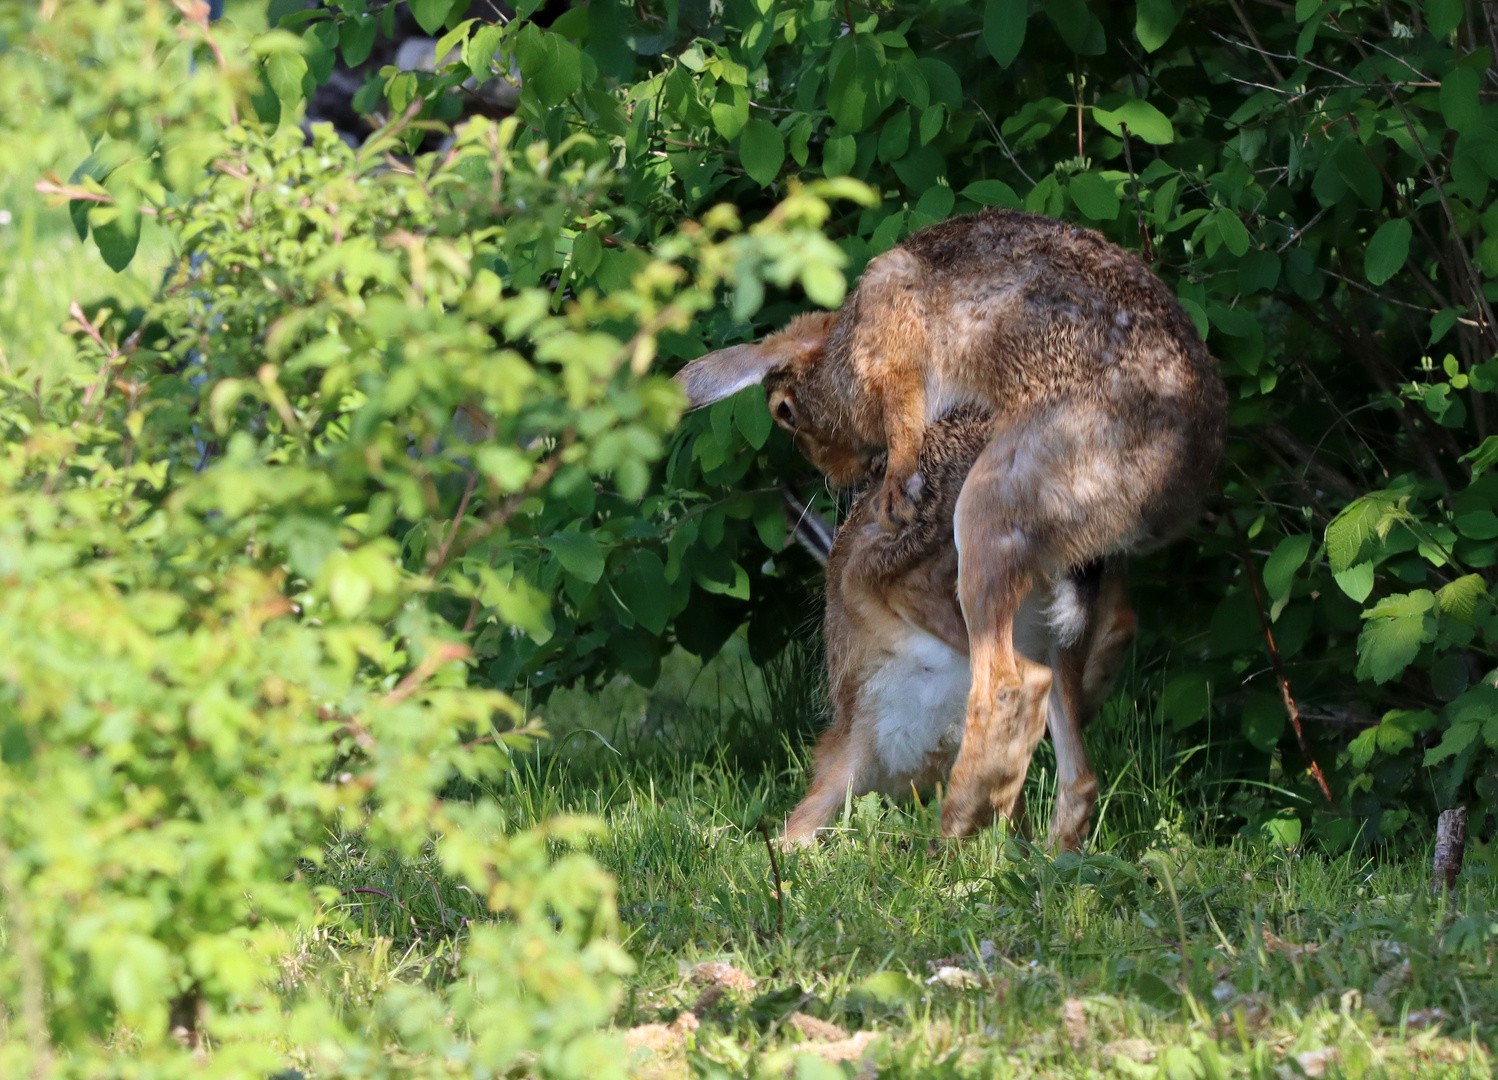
(442, 654)
(1004, 146)
(457, 522)
(1254, 37)
(78, 194)
(1298, 233)
(1274, 656)
(1144, 236)
(779, 891)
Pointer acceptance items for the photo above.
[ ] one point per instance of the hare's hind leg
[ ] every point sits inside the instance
(1086, 671)
(1076, 782)
(1006, 703)
(1006, 710)
(1056, 488)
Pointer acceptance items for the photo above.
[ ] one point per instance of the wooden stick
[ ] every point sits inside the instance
(1451, 845)
(1274, 656)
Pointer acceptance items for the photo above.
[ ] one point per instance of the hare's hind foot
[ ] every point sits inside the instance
(896, 502)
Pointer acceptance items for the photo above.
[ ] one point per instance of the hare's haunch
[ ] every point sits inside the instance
(1107, 418)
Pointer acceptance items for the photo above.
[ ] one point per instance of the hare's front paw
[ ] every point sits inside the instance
(897, 500)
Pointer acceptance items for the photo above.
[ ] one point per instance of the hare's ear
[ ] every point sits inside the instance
(724, 373)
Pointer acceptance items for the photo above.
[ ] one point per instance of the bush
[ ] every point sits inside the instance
(256, 541)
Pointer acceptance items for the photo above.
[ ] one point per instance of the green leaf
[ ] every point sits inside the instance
(587, 251)
(1443, 16)
(838, 154)
(1484, 457)
(1361, 522)
(1234, 236)
(322, 41)
(1358, 171)
(1459, 598)
(1394, 734)
(1185, 699)
(356, 37)
(894, 136)
(1457, 738)
(456, 38)
(1156, 992)
(933, 121)
(860, 85)
(1258, 271)
(888, 988)
(1284, 829)
(936, 201)
(921, 168)
(762, 150)
(550, 66)
(284, 71)
(1356, 581)
(1094, 196)
(94, 168)
(117, 233)
(992, 193)
(1154, 20)
(1078, 26)
(751, 415)
(1263, 721)
(430, 14)
(1478, 525)
(1460, 105)
(1004, 28)
(730, 110)
(1388, 645)
(1280, 567)
(1198, 315)
(1402, 605)
(1387, 250)
(579, 553)
(644, 591)
(1144, 121)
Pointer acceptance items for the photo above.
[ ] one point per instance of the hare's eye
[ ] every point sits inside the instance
(786, 413)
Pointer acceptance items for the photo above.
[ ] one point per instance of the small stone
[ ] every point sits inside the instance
(850, 1049)
(814, 1029)
(1314, 1063)
(1139, 1051)
(662, 1038)
(1074, 1020)
(954, 978)
(1424, 1018)
(727, 976)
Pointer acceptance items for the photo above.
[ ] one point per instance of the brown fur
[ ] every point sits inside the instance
(1109, 419)
(882, 588)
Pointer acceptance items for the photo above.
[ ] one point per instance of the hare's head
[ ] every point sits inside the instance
(788, 365)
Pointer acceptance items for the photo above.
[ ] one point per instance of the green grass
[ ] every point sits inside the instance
(1173, 948)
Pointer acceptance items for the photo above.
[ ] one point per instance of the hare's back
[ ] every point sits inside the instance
(1048, 304)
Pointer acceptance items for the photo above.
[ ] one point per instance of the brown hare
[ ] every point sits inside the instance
(897, 649)
(1108, 412)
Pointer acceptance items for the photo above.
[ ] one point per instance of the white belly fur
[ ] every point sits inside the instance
(918, 702)
(918, 697)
